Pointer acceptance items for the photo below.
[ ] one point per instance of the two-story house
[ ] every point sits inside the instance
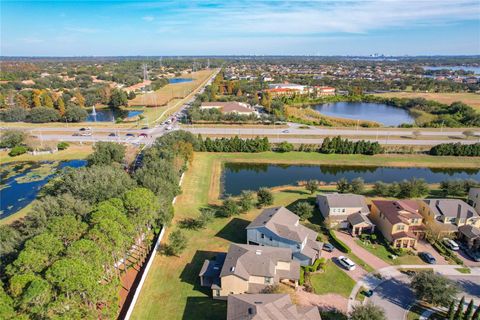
(249, 269)
(398, 221)
(268, 307)
(446, 215)
(279, 227)
(347, 211)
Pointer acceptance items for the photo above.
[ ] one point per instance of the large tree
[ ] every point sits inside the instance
(118, 98)
(367, 311)
(434, 288)
(104, 153)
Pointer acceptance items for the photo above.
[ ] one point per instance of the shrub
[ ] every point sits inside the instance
(17, 150)
(14, 114)
(338, 243)
(264, 197)
(42, 115)
(11, 138)
(285, 147)
(304, 210)
(62, 145)
(301, 281)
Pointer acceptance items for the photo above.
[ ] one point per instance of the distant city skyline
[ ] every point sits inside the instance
(268, 27)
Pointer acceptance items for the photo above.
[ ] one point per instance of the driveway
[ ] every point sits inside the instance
(423, 246)
(466, 260)
(371, 259)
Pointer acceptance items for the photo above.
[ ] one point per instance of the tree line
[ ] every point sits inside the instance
(345, 146)
(66, 257)
(456, 149)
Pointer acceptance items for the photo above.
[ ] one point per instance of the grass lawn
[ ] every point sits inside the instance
(382, 252)
(333, 280)
(73, 152)
(416, 311)
(472, 99)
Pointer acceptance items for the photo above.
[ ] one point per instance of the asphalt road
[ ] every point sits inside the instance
(395, 295)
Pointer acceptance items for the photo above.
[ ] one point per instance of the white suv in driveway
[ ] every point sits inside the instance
(451, 244)
(347, 263)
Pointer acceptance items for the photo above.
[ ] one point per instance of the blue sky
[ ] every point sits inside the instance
(232, 27)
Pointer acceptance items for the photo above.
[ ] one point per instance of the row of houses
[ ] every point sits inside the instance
(290, 89)
(277, 245)
(404, 222)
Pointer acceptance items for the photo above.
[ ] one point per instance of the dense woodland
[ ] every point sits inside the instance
(64, 259)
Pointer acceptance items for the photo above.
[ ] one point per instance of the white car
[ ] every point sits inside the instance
(347, 263)
(451, 244)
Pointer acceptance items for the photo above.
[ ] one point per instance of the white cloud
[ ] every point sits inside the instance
(32, 40)
(148, 18)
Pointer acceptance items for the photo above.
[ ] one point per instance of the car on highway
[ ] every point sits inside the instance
(143, 135)
(145, 128)
(346, 263)
(113, 134)
(85, 129)
(168, 128)
(285, 131)
(328, 247)
(86, 133)
(129, 135)
(451, 244)
(76, 134)
(427, 257)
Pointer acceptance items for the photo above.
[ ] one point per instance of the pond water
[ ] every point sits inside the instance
(379, 112)
(21, 182)
(179, 80)
(250, 176)
(108, 115)
(475, 70)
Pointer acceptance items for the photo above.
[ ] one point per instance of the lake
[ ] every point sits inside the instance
(475, 70)
(21, 182)
(108, 115)
(379, 112)
(179, 80)
(251, 176)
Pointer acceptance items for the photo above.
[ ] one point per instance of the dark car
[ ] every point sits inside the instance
(367, 293)
(328, 247)
(113, 134)
(475, 256)
(427, 257)
(130, 135)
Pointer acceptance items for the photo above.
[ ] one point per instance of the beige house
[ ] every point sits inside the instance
(230, 107)
(398, 221)
(474, 198)
(347, 211)
(446, 215)
(268, 307)
(249, 269)
(470, 235)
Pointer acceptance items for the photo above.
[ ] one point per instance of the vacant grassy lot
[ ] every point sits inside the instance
(171, 91)
(472, 99)
(333, 280)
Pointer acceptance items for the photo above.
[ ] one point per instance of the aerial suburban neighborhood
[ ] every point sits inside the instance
(240, 160)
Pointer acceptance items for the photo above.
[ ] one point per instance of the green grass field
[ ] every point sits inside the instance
(382, 252)
(73, 152)
(333, 280)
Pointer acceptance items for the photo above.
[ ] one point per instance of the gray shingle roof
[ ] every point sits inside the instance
(469, 231)
(358, 218)
(267, 307)
(283, 223)
(451, 208)
(345, 200)
(245, 260)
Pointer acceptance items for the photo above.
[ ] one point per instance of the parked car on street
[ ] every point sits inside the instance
(328, 247)
(451, 244)
(346, 263)
(427, 257)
